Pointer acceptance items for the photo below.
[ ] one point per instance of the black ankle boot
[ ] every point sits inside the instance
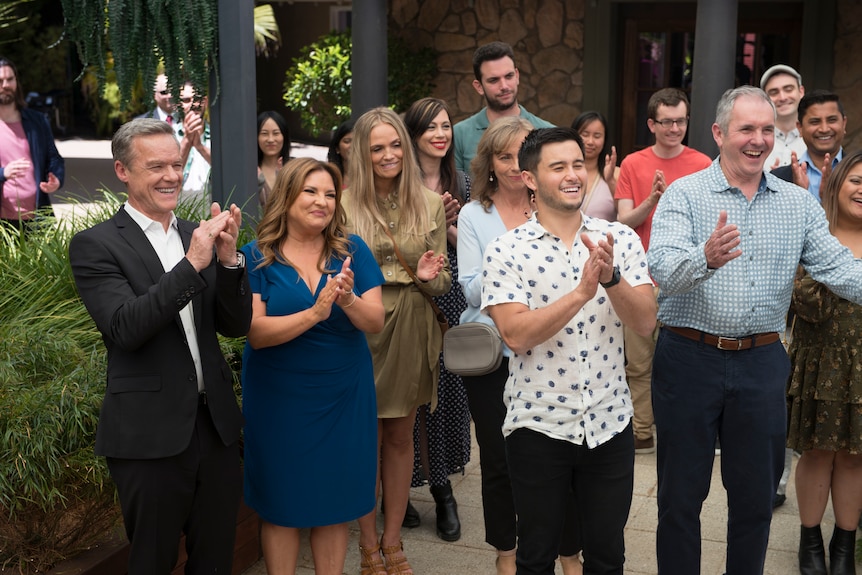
(448, 524)
(812, 556)
(842, 548)
(411, 517)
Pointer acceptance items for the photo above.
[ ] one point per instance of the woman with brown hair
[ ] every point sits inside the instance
(442, 436)
(824, 395)
(399, 219)
(308, 387)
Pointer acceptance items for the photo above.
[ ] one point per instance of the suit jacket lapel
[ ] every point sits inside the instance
(134, 235)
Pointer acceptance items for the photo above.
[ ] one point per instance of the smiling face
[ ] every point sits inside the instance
(386, 152)
(560, 178)
(823, 128)
(671, 137)
(593, 135)
(154, 176)
(499, 84)
(785, 92)
(270, 139)
(313, 208)
(505, 165)
(749, 138)
(436, 140)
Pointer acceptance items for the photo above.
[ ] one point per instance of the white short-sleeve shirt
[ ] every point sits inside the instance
(573, 386)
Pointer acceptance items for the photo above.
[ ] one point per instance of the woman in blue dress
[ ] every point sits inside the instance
(308, 382)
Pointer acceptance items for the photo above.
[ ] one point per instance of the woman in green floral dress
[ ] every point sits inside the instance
(825, 391)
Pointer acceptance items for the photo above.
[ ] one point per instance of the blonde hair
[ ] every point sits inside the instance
(495, 140)
(273, 228)
(365, 215)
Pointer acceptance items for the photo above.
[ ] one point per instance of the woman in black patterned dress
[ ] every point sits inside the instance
(442, 437)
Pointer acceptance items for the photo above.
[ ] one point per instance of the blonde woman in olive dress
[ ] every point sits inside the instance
(386, 198)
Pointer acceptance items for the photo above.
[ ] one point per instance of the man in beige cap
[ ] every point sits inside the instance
(784, 86)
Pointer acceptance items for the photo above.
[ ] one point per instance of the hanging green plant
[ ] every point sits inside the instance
(183, 34)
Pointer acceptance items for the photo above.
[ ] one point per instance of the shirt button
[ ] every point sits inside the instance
(394, 206)
(389, 273)
(751, 232)
(752, 284)
(388, 258)
(391, 225)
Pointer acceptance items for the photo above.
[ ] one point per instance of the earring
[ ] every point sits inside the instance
(491, 177)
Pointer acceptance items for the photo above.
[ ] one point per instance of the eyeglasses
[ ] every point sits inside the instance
(667, 124)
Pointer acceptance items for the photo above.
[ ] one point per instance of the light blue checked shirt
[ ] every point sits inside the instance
(782, 227)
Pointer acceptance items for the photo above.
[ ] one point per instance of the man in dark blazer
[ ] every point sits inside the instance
(159, 288)
(165, 108)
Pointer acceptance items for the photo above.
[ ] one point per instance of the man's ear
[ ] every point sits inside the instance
(477, 85)
(121, 171)
(529, 180)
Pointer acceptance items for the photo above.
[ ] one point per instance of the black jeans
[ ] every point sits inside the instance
(546, 472)
(485, 396)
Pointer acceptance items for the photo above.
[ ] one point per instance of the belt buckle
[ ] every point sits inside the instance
(722, 341)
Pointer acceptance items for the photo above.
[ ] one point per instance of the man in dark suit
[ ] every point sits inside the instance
(165, 107)
(159, 288)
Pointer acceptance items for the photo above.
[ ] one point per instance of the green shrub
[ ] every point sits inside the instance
(318, 83)
(56, 497)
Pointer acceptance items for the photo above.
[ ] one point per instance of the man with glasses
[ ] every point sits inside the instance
(194, 137)
(644, 176)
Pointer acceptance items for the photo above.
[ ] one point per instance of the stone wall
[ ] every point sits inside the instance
(847, 73)
(546, 35)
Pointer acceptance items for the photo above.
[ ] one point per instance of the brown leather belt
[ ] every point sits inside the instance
(726, 343)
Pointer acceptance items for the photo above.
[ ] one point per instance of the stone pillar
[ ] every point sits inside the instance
(233, 114)
(369, 59)
(714, 67)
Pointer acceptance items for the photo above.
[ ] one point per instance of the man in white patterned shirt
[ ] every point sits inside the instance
(559, 288)
(726, 243)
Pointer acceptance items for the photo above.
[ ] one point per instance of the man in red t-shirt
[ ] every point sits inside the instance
(643, 178)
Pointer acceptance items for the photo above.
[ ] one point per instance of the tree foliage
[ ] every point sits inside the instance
(182, 34)
(318, 83)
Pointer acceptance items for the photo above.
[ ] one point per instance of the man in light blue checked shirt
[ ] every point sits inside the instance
(726, 243)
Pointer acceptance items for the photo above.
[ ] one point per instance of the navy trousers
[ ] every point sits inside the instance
(700, 393)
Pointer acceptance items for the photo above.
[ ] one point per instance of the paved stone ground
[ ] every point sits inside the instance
(431, 556)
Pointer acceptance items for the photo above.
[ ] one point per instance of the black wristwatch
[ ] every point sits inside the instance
(615, 279)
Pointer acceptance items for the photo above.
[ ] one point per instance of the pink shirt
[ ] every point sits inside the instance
(638, 170)
(19, 194)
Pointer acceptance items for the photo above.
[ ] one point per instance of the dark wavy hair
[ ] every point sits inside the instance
(282, 125)
(417, 118)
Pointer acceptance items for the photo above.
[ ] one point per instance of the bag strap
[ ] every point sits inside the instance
(411, 273)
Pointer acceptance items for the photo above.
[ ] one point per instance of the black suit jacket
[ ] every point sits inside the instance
(783, 172)
(151, 399)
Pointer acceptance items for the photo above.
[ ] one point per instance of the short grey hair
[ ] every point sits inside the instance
(121, 144)
(729, 98)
